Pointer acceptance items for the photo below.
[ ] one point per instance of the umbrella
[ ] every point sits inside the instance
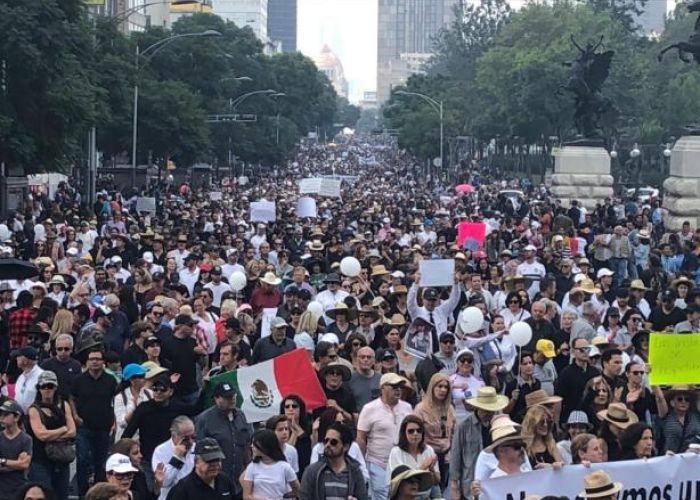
(16, 269)
(464, 188)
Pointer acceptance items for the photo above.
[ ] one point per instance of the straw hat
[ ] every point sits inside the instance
(638, 285)
(317, 246)
(379, 270)
(487, 399)
(599, 485)
(369, 310)
(397, 320)
(505, 431)
(399, 290)
(341, 307)
(586, 286)
(683, 280)
(403, 473)
(540, 397)
(57, 279)
(271, 279)
(618, 414)
(335, 365)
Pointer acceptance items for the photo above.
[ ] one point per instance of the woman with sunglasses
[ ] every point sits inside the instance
(438, 415)
(637, 396)
(294, 408)
(412, 451)
(50, 421)
(465, 384)
(597, 395)
(514, 311)
(130, 393)
(538, 434)
(268, 476)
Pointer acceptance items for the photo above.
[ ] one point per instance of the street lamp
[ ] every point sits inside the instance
(437, 106)
(123, 16)
(152, 50)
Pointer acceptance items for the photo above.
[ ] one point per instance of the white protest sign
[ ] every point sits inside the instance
(311, 185)
(216, 196)
(269, 314)
(667, 477)
(437, 272)
(146, 204)
(263, 211)
(306, 207)
(330, 188)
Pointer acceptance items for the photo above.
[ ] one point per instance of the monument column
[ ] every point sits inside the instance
(681, 199)
(582, 172)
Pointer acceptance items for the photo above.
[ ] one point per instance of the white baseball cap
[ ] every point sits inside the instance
(148, 257)
(121, 464)
(331, 338)
(604, 271)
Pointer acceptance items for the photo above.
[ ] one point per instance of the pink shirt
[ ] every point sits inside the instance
(381, 423)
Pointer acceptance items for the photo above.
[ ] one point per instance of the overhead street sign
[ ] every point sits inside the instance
(232, 118)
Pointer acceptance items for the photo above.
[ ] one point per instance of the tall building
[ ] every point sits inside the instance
(330, 65)
(406, 31)
(282, 23)
(251, 13)
(653, 19)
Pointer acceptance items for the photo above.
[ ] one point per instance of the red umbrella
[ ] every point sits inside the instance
(464, 188)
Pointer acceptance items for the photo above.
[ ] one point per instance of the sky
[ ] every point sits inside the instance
(349, 27)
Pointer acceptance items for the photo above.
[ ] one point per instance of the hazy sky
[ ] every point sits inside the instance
(349, 27)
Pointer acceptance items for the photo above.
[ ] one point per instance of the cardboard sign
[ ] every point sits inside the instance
(146, 204)
(437, 272)
(306, 207)
(311, 185)
(216, 196)
(323, 186)
(269, 313)
(263, 211)
(675, 358)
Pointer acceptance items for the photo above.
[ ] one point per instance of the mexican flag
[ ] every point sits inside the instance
(260, 388)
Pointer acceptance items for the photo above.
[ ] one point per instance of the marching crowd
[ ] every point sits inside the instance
(106, 354)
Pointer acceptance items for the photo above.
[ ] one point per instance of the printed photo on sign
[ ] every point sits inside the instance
(418, 340)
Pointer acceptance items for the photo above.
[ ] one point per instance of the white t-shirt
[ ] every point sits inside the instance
(269, 480)
(290, 453)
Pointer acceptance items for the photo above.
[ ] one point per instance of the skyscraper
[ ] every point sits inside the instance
(406, 34)
(282, 23)
(251, 13)
(653, 19)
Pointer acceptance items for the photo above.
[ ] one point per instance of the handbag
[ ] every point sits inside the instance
(63, 450)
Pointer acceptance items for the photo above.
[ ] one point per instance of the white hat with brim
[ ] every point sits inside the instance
(271, 279)
(425, 478)
(599, 485)
(619, 415)
(504, 434)
(488, 400)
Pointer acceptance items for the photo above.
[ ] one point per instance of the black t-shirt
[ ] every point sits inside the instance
(11, 449)
(660, 320)
(181, 354)
(343, 396)
(93, 400)
(65, 373)
(192, 487)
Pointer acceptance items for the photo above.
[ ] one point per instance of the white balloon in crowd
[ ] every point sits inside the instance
(471, 320)
(316, 308)
(520, 333)
(350, 267)
(237, 281)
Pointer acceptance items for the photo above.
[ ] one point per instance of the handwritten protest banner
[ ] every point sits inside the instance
(669, 477)
(306, 207)
(437, 272)
(216, 196)
(311, 185)
(330, 188)
(322, 186)
(146, 204)
(674, 358)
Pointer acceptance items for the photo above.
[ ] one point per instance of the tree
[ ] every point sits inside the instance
(346, 114)
(49, 93)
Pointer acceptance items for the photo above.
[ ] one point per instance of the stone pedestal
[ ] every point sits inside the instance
(682, 188)
(582, 173)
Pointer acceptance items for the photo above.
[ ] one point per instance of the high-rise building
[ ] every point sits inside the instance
(251, 13)
(330, 65)
(406, 32)
(282, 23)
(653, 19)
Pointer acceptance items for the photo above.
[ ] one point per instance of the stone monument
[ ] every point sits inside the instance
(582, 166)
(682, 188)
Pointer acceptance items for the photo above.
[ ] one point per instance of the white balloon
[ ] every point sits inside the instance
(471, 320)
(520, 333)
(316, 308)
(237, 281)
(350, 267)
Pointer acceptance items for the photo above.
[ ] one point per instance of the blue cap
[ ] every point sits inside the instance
(428, 222)
(133, 370)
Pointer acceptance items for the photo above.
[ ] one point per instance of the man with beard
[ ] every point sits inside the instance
(335, 475)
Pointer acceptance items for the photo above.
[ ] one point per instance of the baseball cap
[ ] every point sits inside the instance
(392, 379)
(278, 322)
(622, 293)
(208, 449)
(304, 294)
(604, 271)
(546, 347)
(224, 390)
(121, 464)
(148, 257)
(304, 341)
(233, 324)
(431, 294)
(446, 336)
(47, 377)
(28, 352)
(157, 276)
(11, 406)
(216, 270)
(161, 380)
(385, 354)
(184, 319)
(152, 340)
(668, 295)
(133, 370)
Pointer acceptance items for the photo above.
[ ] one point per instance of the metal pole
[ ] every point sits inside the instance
(442, 157)
(134, 136)
(278, 128)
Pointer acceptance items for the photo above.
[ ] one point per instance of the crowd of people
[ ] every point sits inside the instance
(109, 349)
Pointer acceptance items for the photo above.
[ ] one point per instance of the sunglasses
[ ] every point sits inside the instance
(682, 399)
(514, 302)
(637, 372)
(159, 388)
(414, 430)
(331, 441)
(157, 313)
(357, 344)
(465, 360)
(582, 349)
(47, 386)
(291, 406)
(63, 349)
(515, 446)
(334, 372)
(127, 475)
